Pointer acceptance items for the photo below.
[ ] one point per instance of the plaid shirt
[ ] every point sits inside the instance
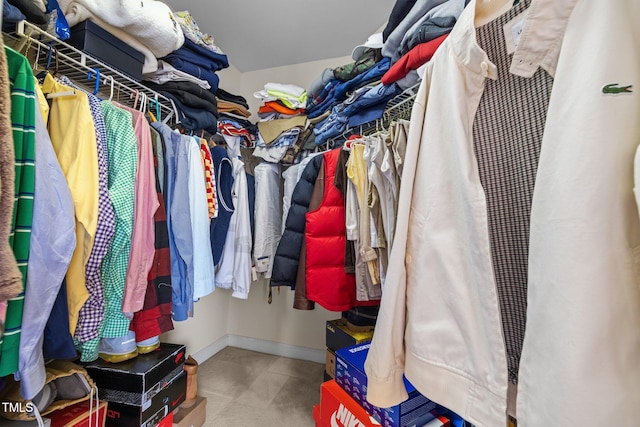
(122, 151)
(92, 311)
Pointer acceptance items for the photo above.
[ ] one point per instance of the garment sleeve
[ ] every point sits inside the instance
(143, 235)
(180, 211)
(242, 261)
(203, 272)
(386, 358)
(267, 208)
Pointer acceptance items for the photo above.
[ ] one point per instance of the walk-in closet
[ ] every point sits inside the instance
(395, 213)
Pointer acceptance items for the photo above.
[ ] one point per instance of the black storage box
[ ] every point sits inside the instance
(162, 404)
(89, 37)
(138, 380)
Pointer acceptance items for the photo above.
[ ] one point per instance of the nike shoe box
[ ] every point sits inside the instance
(166, 421)
(340, 336)
(137, 380)
(417, 410)
(82, 414)
(143, 388)
(316, 415)
(154, 411)
(337, 408)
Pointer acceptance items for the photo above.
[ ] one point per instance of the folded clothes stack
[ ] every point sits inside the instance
(187, 76)
(282, 121)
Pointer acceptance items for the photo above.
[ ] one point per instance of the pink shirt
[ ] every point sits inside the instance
(146, 204)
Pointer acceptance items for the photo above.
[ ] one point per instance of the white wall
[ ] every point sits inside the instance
(253, 323)
(210, 323)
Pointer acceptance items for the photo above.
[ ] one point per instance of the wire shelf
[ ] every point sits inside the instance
(49, 53)
(397, 108)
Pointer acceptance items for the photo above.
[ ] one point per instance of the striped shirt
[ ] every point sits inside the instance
(23, 104)
(209, 177)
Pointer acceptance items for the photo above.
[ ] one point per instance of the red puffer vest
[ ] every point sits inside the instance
(325, 238)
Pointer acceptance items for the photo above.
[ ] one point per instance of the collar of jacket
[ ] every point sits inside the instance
(539, 44)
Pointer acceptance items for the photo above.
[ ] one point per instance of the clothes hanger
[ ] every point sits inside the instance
(42, 74)
(110, 79)
(135, 100)
(154, 103)
(143, 103)
(97, 75)
(174, 112)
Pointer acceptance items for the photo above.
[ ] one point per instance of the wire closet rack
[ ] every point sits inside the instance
(397, 108)
(47, 52)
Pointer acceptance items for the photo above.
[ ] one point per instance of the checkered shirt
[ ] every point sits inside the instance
(507, 134)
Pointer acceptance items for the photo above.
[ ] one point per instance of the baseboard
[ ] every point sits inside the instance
(211, 349)
(262, 346)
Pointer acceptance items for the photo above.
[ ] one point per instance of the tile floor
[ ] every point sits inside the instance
(247, 389)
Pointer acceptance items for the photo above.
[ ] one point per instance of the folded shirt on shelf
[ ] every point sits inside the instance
(339, 92)
(193, 119)
(226, 96)
(413, 60)
(367, 60)
(291, 96)
(193, 68)
(232, 107)
(167, 72)
(189, 94)
(427, 31)
(278, 107)
(192, 32)
(271, 130)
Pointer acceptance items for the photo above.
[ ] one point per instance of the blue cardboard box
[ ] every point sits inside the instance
(417, 410)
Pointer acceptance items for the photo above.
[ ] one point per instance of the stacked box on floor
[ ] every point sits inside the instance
(330, 364)
(82, 414)
(142, 391)
(350, 375)
(337, 408)
(339, 336)
(194, 416)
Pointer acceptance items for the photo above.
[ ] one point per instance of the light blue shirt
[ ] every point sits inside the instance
(178, 223)
(53, 240)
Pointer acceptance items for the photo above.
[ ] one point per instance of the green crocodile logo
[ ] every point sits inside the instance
(614, 88)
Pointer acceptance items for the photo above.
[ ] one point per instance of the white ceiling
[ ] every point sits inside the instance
(263, 34)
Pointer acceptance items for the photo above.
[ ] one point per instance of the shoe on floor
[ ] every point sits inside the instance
(191, 368)
(361, 319)
(45, 397)
(72, 387)
(119, 349)
(148, 345)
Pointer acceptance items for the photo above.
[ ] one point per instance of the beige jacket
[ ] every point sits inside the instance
(439, 321)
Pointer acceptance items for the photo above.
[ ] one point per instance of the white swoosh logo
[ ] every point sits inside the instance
(334, 422)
